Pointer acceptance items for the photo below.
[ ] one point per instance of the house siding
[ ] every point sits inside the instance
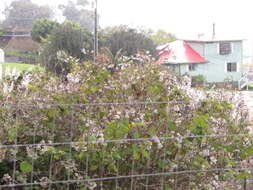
(215, 70)
(216, 67)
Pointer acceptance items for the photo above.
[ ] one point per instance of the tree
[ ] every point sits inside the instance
(161, 37)
(77, 12)
(69, 38)
(22, 13)
(128, 39)
(42, 28)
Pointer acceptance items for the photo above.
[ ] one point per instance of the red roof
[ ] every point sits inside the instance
(179, 52)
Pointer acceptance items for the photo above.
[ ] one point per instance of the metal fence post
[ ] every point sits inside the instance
(245, 184)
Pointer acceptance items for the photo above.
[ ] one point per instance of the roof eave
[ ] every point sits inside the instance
(214, 41)
(176, 63)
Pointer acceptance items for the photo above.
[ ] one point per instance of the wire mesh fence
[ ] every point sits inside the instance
(106, 146)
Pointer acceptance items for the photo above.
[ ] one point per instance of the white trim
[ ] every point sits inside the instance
(225, 67)
(187, 67)
(218, 48)
(238, 64)
(232, 47)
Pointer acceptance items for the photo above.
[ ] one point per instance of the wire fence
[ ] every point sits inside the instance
(93, 146)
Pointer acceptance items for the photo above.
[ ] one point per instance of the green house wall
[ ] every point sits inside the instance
(215, 69)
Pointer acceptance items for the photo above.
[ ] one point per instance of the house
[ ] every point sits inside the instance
(215, 60)
(16, 41)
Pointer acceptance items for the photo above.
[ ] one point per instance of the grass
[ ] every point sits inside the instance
(250, 85)
(21, 67)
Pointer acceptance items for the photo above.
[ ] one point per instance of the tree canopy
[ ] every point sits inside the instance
(77, 12)
(22, 13)
(128, 39)
(42, 28)
(161, 37)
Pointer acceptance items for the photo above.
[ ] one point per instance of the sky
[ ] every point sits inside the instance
(184, 18)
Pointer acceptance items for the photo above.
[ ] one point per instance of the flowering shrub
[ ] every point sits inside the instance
(36, 111)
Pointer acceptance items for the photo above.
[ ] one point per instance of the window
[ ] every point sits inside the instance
(225, 48)
(232, 67)
(173, 68)
(191, 67)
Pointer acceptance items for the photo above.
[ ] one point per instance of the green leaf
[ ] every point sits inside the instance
(12, 133)
(172, 126)
(243, 175)
(93, 167)
(152, 131)
(25, 167)
(50, 113)
(116, 155)
(144, 153)
(136, 155)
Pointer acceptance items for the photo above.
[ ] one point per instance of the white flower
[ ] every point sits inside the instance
(101, 137)
(31, 152)
(205, 152)
(44, 182)
(157, 141)
(7, 178)
(213, 160)
(92, 185)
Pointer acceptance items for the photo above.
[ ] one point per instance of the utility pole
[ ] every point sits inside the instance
(214, 31)
(95, 32)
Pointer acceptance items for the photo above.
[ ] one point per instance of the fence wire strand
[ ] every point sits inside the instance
(122, 141)
(132, 176)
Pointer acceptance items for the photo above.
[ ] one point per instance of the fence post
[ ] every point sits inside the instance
(1, 71)
(245, 184)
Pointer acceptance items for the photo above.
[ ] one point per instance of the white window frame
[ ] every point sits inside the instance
(232, 48)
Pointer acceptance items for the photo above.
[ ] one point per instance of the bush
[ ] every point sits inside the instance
(33, 119)
(69, 38)
(198, 81)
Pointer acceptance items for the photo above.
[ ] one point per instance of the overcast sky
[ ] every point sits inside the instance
(185, 18)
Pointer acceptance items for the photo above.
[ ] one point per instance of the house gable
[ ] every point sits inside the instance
(179, 52)
(219, 66)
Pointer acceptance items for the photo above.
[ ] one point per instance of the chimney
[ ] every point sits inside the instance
(214, 34)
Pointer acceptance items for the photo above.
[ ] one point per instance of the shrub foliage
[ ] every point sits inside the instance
(35, 109)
